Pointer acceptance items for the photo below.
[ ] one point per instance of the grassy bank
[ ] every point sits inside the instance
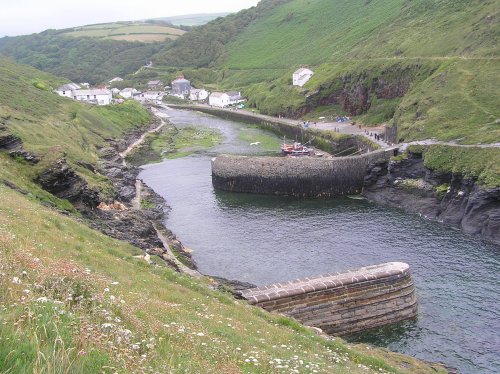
(172, 142)
(480, 164)
(54, 127)
(74, 300)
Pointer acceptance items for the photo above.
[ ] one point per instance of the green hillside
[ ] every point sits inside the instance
(314, 32)
(426, 68)
(55, 127)
(82, 59)
(75, 301)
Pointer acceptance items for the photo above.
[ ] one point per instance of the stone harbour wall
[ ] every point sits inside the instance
(289, 176)
(343, 303)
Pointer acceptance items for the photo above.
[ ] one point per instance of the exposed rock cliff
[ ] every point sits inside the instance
(444, 197)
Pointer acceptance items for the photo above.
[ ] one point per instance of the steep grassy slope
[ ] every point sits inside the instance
(73, 300)
(204, 45)
(314, 32)
(53, 127)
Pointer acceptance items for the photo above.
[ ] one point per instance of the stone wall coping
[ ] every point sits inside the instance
(324, 282)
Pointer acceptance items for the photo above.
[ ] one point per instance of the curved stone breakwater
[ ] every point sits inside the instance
(343, 303)
(299, 177)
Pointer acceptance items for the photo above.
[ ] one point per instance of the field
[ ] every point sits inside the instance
(128, 31)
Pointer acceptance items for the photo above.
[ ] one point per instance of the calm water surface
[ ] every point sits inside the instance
(263, 239)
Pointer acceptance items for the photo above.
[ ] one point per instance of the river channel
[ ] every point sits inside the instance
(266, 239)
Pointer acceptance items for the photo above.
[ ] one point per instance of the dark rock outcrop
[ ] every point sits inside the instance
(14, 146)
(62, 181)
(445, 197)
(25, 155)
(9, 142)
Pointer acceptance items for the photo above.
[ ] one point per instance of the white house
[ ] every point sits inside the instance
(301, 76)
(115, 91)
(128, 92)
(67, 90)
(115, 79)
(149, 96)
(198, 94)
(95, 96)
(220, 99)
(235, 97)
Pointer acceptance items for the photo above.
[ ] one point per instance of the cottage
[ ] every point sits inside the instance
(93, 96)
(235, 97)
(128, 92)
(115, 91)
(149, 97)
(67, 89)
(302, 76)
(220, 99)
(181, 86)
(198, 94)
(155, 85)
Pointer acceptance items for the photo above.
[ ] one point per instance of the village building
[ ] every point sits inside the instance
(224, 99)
(156, 85)
(115, 91)
(115, 79)
(235, 97)
(67, 90)
(180, 87)
(93, 96)
(155, 97)
(128, 92)
(220, 99)
(198, 94)
(302, 76)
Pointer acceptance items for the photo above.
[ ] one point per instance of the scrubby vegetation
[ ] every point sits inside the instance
(78, 59)
(476, 163)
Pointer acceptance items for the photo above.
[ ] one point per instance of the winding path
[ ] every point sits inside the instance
(143, 136)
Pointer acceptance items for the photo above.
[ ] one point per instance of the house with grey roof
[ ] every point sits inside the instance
(156, 85)
(66, 90)
(180, 87)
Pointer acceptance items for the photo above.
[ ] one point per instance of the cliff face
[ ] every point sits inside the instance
(355, 92)
(444, 197)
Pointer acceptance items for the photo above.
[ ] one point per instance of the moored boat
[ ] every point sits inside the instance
(295, 149)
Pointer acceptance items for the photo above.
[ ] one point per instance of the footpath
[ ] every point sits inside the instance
(340, 127)
(369, 132)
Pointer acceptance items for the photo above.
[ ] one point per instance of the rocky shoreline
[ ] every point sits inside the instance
(447, 198)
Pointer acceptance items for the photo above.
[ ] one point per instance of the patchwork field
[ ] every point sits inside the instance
(128, 31)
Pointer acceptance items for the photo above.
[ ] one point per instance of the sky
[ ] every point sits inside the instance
(19, 17)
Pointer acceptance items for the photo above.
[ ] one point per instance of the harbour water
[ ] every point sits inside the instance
(266, 239)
